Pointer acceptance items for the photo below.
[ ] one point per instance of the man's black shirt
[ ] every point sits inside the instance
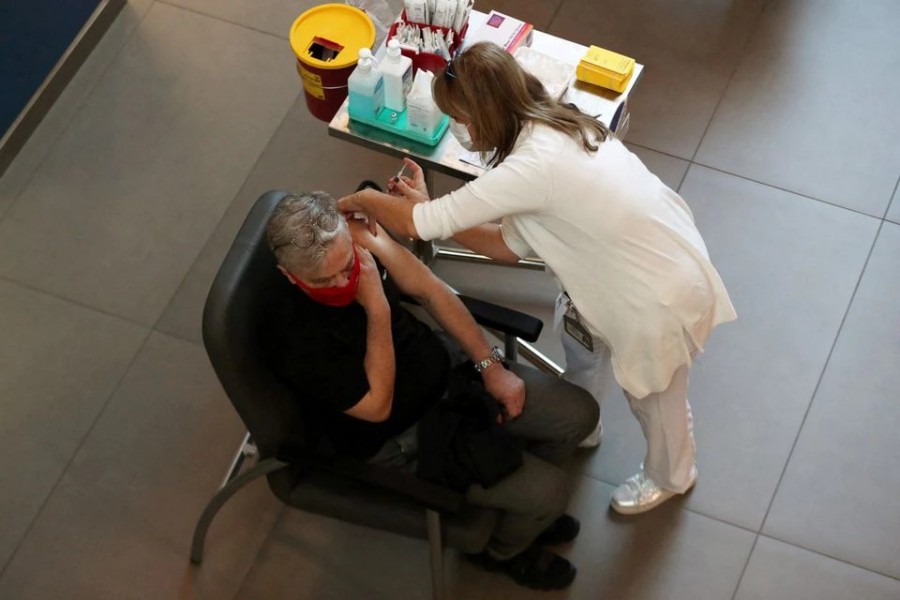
(318, 351)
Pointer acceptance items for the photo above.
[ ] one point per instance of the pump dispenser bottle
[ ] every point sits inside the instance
(398, 75)
(365, 87)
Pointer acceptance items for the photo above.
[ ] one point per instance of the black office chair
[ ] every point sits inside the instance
(277, 426)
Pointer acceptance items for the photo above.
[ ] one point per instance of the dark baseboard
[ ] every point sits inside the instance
(53, 86)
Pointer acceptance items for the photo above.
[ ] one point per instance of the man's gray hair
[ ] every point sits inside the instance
(301, 229)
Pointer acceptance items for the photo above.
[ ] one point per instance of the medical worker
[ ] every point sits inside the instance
(639, 293)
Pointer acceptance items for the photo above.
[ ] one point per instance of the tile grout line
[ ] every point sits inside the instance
(693, 511)
(77, 303)
(891, 201)
(734, 70)
(786, 190)
(759, 534)
(219, 222)
(180, 337)
(822, 374)
(829, 557)
(692, 162)
(266, 539)
(140, 347)
(712, 115)
(810, 404)
(77, 450)
(76, 112)
(740, 579)
(171, 4)
(763, 183)
(554, 15)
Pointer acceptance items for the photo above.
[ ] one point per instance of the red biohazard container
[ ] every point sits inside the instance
(326, 40)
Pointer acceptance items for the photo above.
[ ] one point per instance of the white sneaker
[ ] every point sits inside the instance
(639, 493)
(594, 439)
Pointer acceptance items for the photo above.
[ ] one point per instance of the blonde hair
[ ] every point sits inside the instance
(485, 86)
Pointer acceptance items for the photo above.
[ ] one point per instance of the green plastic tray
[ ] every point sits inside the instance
(398, 127)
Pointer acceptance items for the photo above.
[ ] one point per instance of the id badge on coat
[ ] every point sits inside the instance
(567, 314)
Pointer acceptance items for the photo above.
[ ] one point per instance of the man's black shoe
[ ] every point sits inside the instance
(562, 531)
(536, 568)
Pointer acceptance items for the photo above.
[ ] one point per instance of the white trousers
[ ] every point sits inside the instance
(665, 417)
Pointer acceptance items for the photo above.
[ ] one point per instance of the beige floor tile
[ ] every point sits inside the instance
(841, 491)
(276, 16)
(537, 12)
(669, 169)
(67, 105)
(301, 156)
(689, 50)
(668, 554)
(778, 571)
(129, 194)
(893, 213)
(812, 107)
(311, 557)
(671, 554)
(135, 184)
(280, 14)
(790, 265)
(120, 523)
(59, 363)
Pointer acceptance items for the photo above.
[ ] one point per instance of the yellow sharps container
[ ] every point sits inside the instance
(326, 40)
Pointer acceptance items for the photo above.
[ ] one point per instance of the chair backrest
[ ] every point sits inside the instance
(232, 324)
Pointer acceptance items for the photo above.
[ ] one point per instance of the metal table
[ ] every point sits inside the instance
(607, 106)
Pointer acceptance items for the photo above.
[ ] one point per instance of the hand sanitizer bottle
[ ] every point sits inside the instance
(365, 87)
(398, 73)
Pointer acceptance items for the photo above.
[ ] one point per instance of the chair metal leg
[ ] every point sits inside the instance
(225, 492)
(244, 451)
(436, 552)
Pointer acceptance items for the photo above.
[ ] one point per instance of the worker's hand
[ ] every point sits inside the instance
(395, 212)
(506, 387)
(370, 292)
(356, 202)
(415, 183)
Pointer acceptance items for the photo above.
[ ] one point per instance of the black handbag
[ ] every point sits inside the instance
(460, 440)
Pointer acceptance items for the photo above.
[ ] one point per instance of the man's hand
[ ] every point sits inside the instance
(506, 387)
(370, 293)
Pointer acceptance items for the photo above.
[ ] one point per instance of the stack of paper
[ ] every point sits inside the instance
(605, 68)
(554, 74)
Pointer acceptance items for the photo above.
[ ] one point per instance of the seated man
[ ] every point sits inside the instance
(344, 343)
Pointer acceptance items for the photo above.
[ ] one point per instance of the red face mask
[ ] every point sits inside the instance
(337, 295)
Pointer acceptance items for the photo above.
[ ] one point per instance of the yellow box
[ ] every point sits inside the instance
(605, 68)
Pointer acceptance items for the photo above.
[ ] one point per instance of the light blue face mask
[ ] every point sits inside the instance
(461, 133)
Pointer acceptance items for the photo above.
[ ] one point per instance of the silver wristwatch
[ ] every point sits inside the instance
(495, 357)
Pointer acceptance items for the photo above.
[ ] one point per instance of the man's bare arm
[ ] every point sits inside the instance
(417, 280)
(379, 363)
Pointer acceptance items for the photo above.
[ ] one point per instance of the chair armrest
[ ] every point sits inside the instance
(507, 320)
(429, 494)
(500, 318)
